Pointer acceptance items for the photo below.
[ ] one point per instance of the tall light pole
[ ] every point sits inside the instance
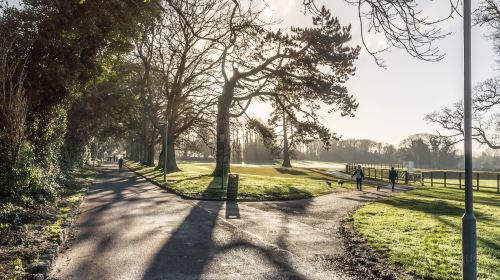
(223, 139)
(469, 270)
(165, 151)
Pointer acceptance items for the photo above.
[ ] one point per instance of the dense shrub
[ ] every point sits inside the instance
(32, 185)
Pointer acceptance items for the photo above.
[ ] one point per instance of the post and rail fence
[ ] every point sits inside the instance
(380, 172)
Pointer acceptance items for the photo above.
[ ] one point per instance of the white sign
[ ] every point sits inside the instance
(411, 167)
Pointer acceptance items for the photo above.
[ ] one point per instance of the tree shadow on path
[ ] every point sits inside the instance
(194, 244)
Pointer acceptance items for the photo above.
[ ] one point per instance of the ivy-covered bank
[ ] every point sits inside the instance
(28, 233)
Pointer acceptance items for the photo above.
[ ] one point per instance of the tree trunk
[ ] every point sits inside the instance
(171, 158)
(162, 154)
(144, 148)
(151, 153)
(286, 148)
(135, 153)
(223, 154)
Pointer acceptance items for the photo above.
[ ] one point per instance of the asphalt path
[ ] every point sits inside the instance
(129, 228)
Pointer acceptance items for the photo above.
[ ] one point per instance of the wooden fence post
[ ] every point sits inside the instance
(444, 174)
(460, 180)
(422, 178)
(498, 183)
(477, 181)
(432, 179)
(406, 177)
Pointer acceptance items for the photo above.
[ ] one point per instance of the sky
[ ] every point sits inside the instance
(394, 101)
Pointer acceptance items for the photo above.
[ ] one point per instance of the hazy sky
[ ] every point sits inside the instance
(394, 101)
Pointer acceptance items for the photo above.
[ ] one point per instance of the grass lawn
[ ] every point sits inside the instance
(490, 184)
(420, 231)
(255, 182)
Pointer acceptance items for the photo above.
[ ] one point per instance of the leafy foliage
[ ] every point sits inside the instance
(63, 46)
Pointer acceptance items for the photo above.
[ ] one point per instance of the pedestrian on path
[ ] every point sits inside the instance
(393, 176)
(359, 177)
(120, 163)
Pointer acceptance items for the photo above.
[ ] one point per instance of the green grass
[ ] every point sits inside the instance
(420, 231)
(483, 183)
(255, 182)
(76, 187)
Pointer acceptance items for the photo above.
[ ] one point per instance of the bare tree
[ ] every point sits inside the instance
(403, 24)
(486, 116)
(13, 111)
(181, 68)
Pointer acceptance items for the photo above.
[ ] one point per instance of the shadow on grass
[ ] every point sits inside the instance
(279, 193)
(458, 196)
(434, 207)
(214, 189)
(290, 171)
(439, 208)
(175, 181)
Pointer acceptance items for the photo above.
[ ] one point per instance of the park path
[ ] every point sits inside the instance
(130, 229)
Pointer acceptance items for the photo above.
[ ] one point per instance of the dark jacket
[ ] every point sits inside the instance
(362, 174)
(393, 175)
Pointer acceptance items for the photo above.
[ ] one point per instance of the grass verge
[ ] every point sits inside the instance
(255, 182)
(420, 231)
(24, 240)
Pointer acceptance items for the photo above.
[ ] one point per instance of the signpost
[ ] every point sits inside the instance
(469, 270)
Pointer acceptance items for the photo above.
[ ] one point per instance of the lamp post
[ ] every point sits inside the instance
(469, 264)
(222, 137)
(165, 123)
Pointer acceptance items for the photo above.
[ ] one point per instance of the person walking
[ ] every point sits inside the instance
(393, 176)
(359, 177)
(120, 163)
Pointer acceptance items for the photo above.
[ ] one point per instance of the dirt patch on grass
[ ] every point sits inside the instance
(361, 261)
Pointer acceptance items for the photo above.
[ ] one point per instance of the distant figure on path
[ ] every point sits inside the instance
(359, 177)
(120, 163)
(393, 176)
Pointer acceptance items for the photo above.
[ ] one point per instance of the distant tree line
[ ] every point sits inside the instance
(425, 150)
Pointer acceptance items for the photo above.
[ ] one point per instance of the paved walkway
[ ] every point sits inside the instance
(131, 229)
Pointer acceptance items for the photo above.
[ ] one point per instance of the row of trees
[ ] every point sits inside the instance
(201, 64)
(75, 74)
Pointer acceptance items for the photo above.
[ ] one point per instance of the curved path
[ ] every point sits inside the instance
(130, 229)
